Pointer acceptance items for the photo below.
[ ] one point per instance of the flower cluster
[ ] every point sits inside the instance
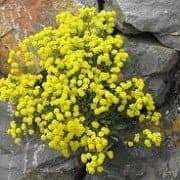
(152, 138)
(55, 70)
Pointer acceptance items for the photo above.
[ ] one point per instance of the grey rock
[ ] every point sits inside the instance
(147, 57)
(123, 166)
(5, 116)
(159, 166)
(6, 142)
(104, 177)
(32, 160)
(149, 16)
(162, 18)
(37, 161)
(174, 163)
(172, 41)
(121, 23)
(159, 87)
(89, 3)
(169, 169)
(178, 177)
(150, 174)
(153, 62)
(50, 176)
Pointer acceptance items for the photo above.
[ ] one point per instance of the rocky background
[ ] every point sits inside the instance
(151, 31)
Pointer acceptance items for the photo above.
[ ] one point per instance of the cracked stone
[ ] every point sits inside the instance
(162, 18)
(20, 18)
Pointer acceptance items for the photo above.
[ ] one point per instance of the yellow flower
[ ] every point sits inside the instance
(100, 169)
(43, 137)
(90, 170)
(95, 124)
(137, 137)
(83, 158)
(17, 141)
(130, 143)
(18, 130)
(147, 143)
(110, 154)
(23, 126)
(99, 147)
(105, 130)
(31, 131)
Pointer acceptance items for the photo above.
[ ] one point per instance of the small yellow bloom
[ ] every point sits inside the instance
(137, 138)
(31, 132)
(100, 169)
(130, 143)
(147, 143)
(95, 124)
(17, 141)
(110, 154)
(83, 158)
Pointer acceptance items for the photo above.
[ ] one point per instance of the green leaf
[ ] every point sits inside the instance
(120, 127)
(114, 138)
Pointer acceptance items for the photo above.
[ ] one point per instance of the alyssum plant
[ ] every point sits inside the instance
(64, 83)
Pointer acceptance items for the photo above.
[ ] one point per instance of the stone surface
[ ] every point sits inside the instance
(121, 23)
(160, 165)
(89, 3)
(153, 62)
(36, 160)
(157, 60)
(6, 143)
(172, 41)
(20, 18)
(160, 17)
(148, 57)
(7, 41)
(32, 159)
(159, 86)
(25, 17)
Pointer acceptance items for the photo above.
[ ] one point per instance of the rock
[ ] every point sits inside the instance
(160, 165)
(161, 18)
(153, 62)
(5, 116)
(31, 159)
(20, 18)
(90, 3)
(169, 170)
(6, 43)
(6, 142)
(159, 86)
(147, 57)
(121, 23)
(29, 16)
(174, 163)
(172, 41)
(7, 145)
(36, 160)
(123, 167)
